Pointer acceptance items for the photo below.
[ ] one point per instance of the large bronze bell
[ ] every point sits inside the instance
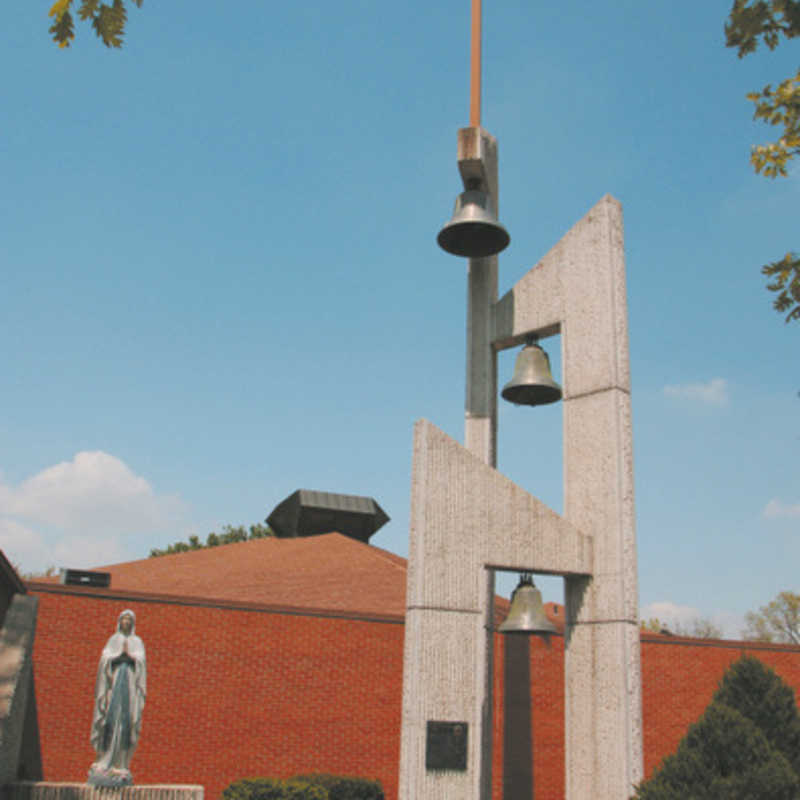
(526, 614)
(473, 231)
(532, 383)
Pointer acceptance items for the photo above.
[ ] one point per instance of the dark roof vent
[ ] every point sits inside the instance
(83, 577)
(308, 513)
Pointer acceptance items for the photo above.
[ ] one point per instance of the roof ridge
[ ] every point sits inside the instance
(37, 586)
(388, 555)
(215, 547)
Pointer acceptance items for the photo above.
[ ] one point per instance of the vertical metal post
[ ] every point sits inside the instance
(477, 161)
(475, 67)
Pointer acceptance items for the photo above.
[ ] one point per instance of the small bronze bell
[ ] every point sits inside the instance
(473, 231)
(532, 383)
(526, 614)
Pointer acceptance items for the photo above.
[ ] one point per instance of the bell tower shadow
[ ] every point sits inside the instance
(517, 721)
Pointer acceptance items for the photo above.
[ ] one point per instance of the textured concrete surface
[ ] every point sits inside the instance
(46, 790)
(16, 670)
(604, 758)
(466, 512)
(466, 518)
(579, 289)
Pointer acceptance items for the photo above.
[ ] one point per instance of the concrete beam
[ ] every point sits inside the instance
(465, 518)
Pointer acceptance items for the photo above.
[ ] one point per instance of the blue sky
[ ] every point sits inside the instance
(220, 281)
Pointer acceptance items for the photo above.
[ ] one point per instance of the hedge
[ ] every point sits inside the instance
(343, 787)
(272, 789)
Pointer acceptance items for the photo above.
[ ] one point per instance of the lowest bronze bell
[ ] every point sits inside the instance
(532, 383)
(527, 614)
(473, 231)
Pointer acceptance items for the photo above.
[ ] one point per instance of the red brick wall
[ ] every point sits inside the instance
(679, 679)
(235, 693)
(230, 693)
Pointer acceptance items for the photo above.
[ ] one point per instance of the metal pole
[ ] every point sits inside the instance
(475, 67)
(477, 161)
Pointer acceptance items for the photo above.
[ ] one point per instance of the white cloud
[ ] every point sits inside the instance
(670, 614)
(711, 393)
(90, 551)
(732, 624)
(775, 509)
(674, 615)
(92, 490)
(24, 547)
(82, 512)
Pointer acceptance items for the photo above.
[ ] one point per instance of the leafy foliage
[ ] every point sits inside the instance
(758, 693)
(272, 789)
(778, 106)
(229, 535)
(722, 755)
(698, 628)
(738, 749)
(108, 20)
(314, 786)
(342, 787)
(786, 274)
(751, 21)
(778, 621)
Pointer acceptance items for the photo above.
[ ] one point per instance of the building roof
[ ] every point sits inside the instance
(331, 571)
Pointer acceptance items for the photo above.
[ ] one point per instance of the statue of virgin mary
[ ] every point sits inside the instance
(118, 702)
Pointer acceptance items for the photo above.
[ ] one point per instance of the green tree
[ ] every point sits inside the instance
(738, 748)
(698, 628)
(758, 693)
(751, 22)
(229, 535)
(778, 621)
(107, 19)
(723, 755)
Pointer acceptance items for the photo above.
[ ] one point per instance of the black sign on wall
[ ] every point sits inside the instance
(446, 745)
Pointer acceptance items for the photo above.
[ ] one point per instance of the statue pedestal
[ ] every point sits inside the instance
(48, 790)
(109, 779)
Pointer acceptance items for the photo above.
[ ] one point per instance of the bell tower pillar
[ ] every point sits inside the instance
(467, 520)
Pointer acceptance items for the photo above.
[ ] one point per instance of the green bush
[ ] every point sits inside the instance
(343, 787)
(759, 694)
(742, 748)
(723, 755)
(273, 789)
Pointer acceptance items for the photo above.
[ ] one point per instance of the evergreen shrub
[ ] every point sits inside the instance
(273, 789)
(759, 694)
(740, 749)
(344, 787)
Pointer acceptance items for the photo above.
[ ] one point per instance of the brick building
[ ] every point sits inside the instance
(279, 656)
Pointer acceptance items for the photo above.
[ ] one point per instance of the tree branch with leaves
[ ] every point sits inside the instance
(107, 19)
(751, 22)
(697, 628)
(229, 535)
(778, 621)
